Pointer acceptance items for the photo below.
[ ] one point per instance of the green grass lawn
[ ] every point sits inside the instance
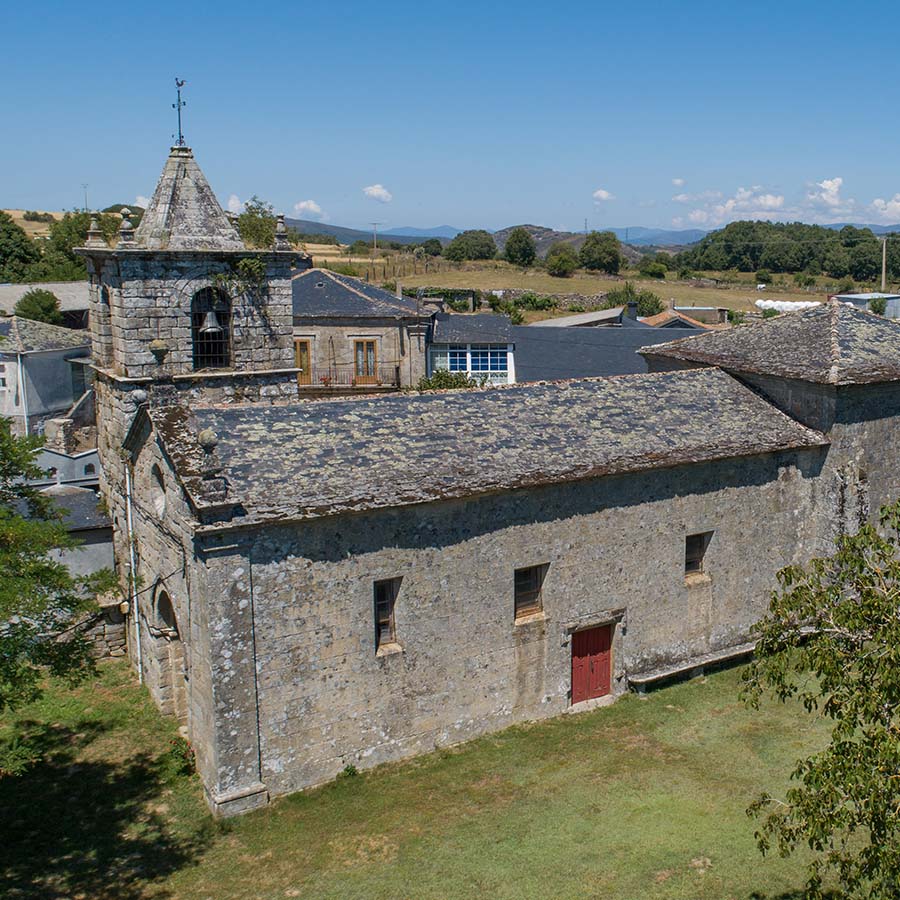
(644, 799)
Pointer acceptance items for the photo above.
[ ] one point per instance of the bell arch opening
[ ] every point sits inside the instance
(211, 329)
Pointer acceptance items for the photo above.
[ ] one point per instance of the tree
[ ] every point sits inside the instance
(520, 248)
(648, 303)
(40, 600)
(763, 276)
(40, 305)
(650, 268)
(359, 248)
(477, 244)
(256, 224)
(17, 250)
(432, 247)
(831, 639)
(601, 252)
(561, 260)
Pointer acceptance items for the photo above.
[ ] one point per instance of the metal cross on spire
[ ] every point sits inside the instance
(179, 84)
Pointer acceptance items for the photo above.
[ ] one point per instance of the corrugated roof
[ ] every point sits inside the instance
(579, 320)
(323, 458)
(18, 335)
(832, 344)
(320, 293)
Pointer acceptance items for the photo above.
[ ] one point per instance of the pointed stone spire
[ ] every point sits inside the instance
(126, 230)
(281, 236)
(183, 213)
(95, 237)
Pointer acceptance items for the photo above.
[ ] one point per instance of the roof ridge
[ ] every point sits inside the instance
(339, 278)
(835, 347)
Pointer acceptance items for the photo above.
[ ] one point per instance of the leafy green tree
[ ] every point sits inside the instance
(601, 252)
(17, 250)
(476, 244)
(256, 224)
(649, 268)
(837, 261)
(40, 305)
(865, 261)
(40, 599)
(763, 276)
(648, 303)
(520, 248)
(432, 247)
(561, 260)
(359, 248)
(831, 639)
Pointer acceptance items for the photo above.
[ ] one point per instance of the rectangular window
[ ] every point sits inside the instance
(385, 597)
(529, 583)
(694, 550)
(459, 358)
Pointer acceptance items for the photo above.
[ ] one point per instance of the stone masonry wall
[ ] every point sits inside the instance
(615, 549)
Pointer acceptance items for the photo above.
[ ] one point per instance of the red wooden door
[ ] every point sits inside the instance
(591, 668)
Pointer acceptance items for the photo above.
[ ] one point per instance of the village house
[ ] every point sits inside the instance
(41, 371)
(321, 583)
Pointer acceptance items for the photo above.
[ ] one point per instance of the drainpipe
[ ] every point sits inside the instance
(23, 390)
(132, 575)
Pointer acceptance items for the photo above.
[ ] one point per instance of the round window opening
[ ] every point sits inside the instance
(158, 491)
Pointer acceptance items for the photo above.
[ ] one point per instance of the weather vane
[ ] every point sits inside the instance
(179, 84)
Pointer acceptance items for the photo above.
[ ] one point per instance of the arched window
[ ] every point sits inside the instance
(166, 612)
(211, 329)
(89, 469)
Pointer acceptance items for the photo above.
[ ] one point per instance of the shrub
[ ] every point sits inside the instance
(878, 306)
(443, 380)
(530, 300)
(32, 216)
(769, 313)
(342, 268)
(652, 269)
(763, 276)
(577, 308)
(804, 279)
(735, 317)
(432, 247)
(182, 753)
(648, 303)
(561, 260)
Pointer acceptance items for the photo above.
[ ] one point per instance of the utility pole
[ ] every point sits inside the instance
(585, 226)
(84, 188)
(375, 235)
(884, 264)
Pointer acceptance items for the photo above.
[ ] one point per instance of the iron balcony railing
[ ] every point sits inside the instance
(348, 375)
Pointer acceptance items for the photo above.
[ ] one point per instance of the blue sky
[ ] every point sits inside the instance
(471, 114)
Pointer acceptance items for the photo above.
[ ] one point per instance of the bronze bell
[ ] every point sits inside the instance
(210, 324)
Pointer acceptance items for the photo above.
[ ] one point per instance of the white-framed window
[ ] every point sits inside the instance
(490, 361)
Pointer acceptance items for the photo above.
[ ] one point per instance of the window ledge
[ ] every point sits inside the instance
(388, 649)
(531, 618)
(695, 579)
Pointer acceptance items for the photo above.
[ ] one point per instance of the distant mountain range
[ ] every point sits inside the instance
(544, 238)
(875, 229)
(345, 235)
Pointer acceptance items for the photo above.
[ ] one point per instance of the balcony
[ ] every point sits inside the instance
(347, 376)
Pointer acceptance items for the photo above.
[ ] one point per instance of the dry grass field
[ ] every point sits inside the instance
(32, 229)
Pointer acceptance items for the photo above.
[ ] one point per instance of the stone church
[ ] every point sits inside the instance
(329, 582)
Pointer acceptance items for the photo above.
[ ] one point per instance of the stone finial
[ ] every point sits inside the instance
(160, 350)
(208, 440)
(126, 229)
(139, 397)
(95, 235)
(281, 236)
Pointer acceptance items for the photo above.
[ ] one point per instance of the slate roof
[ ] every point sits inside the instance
(72, 295)
(320, 293)
(471, 328)
(831, 344)
(547, 354)
(321, 458)
(183, 213)
(18, 335)
(80, 507)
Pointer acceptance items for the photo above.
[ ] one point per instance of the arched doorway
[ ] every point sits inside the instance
(172, 684)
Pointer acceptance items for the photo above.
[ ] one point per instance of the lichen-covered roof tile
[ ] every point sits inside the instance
(19, 335)
(834, 343)
(323, 458)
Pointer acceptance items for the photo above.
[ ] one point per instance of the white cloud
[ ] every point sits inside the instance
(698, 216)
(682, 198)
(378, 192)
(824, 197)
(702, 197)
(678, 182)
(745, 203)
(143, 202)
(600, 195)
(235, 204)
(887, 211)
(310, 209)
(678, 221)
